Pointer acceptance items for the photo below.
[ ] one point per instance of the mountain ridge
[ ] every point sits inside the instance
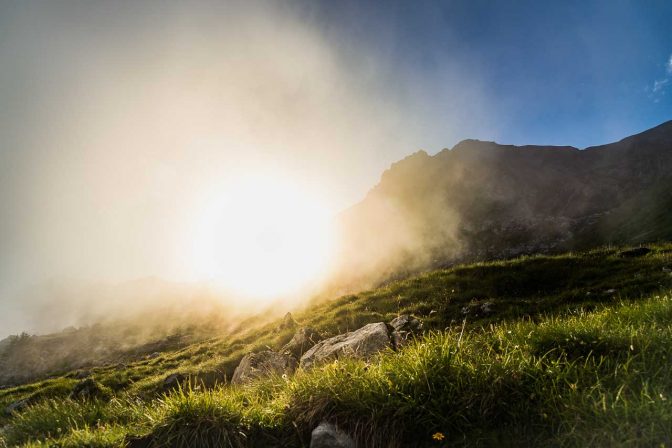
(484, 200)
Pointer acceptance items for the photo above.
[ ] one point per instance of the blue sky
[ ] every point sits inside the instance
(572, 72)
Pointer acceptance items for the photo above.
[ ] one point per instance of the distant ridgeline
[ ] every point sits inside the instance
(481, 200)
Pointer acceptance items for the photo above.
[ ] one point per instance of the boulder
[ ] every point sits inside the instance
(86, 389)
(327, 435)
(257, 365)
(362, 343)
(303, 340)
(404, 328)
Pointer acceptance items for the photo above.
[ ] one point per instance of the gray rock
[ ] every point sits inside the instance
(406, 322)
(173, 381)
(303, 340)
(86, 389)
(17, 406)
(404, 328)
(82, 374)
(636, 252)
(362, 343)
(257, 365)
(327, 435)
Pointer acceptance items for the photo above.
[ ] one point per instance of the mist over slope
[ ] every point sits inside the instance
(483, 200)
(476, 201)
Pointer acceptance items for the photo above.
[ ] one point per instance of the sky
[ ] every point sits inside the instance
(122, 120)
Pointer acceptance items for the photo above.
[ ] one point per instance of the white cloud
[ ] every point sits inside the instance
(659, 85)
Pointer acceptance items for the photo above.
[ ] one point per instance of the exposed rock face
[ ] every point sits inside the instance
(362, 343)
(303, 340)
(257, 365)
(86, 389)
(327, 435)
(404, 328)
(482, 200)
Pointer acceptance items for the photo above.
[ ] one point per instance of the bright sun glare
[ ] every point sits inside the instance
(261, 238)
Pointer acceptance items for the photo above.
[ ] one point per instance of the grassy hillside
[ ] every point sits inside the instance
(573, 352)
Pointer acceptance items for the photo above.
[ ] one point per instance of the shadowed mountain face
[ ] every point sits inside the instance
(482, 200)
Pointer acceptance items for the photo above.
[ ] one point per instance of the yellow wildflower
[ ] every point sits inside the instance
(438, 436)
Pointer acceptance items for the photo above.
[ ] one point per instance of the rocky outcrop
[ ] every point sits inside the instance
(257, 365)
(404, 328)
(303, 340)
(362, 343)
(482, 200)
(327, 435)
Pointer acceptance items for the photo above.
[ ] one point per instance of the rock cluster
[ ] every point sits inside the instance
(306, 349)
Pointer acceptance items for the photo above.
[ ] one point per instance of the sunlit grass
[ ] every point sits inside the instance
(588, 379)
(559, 361)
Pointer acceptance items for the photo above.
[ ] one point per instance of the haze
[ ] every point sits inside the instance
(127, 125)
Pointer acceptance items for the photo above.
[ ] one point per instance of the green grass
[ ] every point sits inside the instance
(561, 361)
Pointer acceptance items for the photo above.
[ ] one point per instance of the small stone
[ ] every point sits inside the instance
(82, 374)
(86, 389)
(404, 328)
(406, 322)
(173, 381)
(486, 307)
(17, 406)
(327, 435)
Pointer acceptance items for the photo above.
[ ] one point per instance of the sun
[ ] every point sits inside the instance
(263, 237)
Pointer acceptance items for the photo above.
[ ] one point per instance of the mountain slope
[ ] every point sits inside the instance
(482, 200)
(564, 336)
